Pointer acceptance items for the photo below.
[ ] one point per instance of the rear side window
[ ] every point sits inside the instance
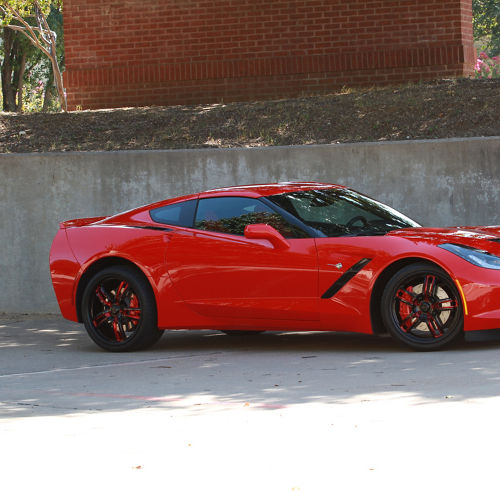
(232, 214)
(177, 214)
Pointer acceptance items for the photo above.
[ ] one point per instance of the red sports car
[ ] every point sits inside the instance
(289, 256)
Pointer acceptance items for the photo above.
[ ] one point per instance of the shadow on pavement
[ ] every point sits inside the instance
(49, 366)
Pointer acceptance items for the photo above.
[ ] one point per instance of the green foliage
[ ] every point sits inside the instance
(40, 93)
(487, 25)
(33, 101)
(24, 7)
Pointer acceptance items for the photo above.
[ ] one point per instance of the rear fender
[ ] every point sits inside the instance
(63, 268)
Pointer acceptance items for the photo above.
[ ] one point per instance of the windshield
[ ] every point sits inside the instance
(341, 212)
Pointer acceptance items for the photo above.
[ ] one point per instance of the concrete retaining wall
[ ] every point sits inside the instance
(440, 183)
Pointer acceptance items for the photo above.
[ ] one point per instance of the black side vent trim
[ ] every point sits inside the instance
(345, 278)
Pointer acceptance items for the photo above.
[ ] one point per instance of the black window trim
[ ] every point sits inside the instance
(291, 219)
(286, 215)
(195, 212)
(191, 226)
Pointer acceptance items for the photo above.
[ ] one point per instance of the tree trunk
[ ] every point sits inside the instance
(47, 96)
(13, 69)
(58, 78)
(19, 82)
(9, 94)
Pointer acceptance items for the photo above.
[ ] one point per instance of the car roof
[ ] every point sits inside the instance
(256, 190)
(251, 191)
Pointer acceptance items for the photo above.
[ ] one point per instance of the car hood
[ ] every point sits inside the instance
(481, 237)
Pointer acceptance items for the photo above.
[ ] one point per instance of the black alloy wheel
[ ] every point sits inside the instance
(119, 310)
(422, 308)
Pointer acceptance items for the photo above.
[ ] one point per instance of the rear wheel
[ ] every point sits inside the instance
(119, 310)
(422, 308)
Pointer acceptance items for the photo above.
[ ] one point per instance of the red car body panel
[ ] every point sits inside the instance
(220, 275)
(210, 280)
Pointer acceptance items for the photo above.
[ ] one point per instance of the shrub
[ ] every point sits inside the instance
(487, 67)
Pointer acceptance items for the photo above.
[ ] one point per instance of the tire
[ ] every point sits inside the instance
(422, 308)
(119, 310)
(242, 332)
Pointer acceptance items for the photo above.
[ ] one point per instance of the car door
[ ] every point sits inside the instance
(219, 272)
(344, 221)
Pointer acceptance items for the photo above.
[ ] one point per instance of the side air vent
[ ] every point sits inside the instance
(345, 278)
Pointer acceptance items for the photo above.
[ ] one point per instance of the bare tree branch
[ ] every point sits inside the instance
(19, 18)
(42, 37)
(43, 21)
(39, 19)
(34, 41)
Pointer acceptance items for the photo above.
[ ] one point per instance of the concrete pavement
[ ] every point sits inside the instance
(278, 415)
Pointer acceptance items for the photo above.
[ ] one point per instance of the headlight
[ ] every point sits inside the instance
(475, 256)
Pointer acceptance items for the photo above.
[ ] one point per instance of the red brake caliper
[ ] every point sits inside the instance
(405, 309)
(105, 315)
(118, 299)
(134, 315)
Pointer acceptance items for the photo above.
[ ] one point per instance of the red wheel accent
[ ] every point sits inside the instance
(101, 318)
(103, 296)
(422, 307)
(121, 290)
(453, 304)
(115, 309)
(119, 310)
(429, 286)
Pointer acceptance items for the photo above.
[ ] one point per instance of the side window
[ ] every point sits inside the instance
(177, 214)
(232, 214)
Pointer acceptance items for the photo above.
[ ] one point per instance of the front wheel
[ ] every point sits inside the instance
(422, 308)
(119, 310)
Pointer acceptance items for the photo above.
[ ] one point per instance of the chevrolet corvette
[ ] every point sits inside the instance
(287, 256)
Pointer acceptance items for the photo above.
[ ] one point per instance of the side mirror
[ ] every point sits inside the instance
(266, 232)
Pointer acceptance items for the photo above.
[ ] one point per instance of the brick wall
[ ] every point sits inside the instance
(143, 52)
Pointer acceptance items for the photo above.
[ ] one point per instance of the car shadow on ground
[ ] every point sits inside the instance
(49, 366)
(50, 332)
(299, 341)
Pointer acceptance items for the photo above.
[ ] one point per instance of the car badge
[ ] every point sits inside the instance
(338, 266)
